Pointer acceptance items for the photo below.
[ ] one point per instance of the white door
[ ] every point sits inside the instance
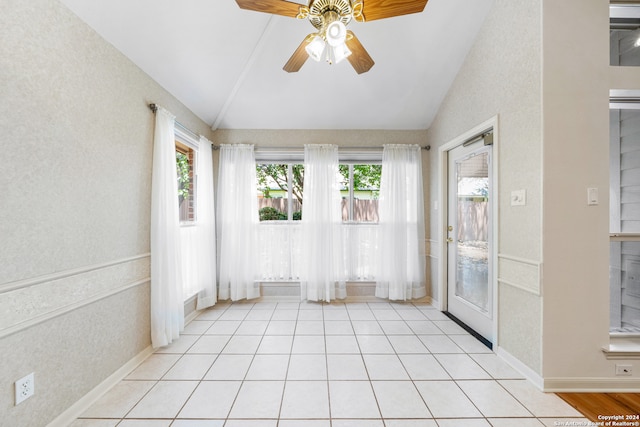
(469, 230)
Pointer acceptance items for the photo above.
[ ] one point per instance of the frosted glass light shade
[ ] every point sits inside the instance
(340, 52)
(336, 33)
(315, 48)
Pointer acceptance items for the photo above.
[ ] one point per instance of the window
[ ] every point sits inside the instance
(624, 30)
(280, 182)
(625, 218)
(185, 164)
(280, 188)
(360, 192)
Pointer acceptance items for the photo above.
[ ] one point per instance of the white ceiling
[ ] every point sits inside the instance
(225, 63)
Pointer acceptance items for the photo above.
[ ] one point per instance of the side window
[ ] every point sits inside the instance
(624, 32)
(280, 189)
(360, 192)
(185, 162)
(624, 221)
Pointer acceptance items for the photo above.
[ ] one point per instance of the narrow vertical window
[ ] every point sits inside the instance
(624, 34)
(185, 164)
(624, 202)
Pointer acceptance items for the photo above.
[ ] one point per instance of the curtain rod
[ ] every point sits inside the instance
(341, 148)
(154, 108)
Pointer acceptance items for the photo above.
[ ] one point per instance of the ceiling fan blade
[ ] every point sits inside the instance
(276, 7)
(380, 9)
(299, 57)
(359, 58)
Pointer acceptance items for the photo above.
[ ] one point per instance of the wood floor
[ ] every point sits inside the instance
(594, 404)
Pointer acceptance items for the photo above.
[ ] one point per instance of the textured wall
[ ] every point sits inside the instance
(343, 138)
(74, 214)
(502, 77)
(576, 241)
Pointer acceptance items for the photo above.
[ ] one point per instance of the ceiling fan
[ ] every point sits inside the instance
(333, 41)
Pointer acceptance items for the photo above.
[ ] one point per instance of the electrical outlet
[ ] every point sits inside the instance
(25, 387)
(624, 370)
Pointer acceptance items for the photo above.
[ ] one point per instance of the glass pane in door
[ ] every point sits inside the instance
(472, 246)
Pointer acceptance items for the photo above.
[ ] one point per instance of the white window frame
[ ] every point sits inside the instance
(289, 164)
(184, 138)
(291, 156)
(351, 199)
(622, 345)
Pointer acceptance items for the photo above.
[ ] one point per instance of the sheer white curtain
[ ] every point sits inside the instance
(360, 251)
(322, 275)
(401, 266)
(167, 306)
(279, 250)
(237, 223)
(203, 244)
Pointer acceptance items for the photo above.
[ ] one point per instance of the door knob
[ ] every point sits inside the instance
(449, 240)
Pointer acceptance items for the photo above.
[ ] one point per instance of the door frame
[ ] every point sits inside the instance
(443, 151)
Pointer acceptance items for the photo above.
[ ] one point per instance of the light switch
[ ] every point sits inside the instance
(592, 196)
(518, 197)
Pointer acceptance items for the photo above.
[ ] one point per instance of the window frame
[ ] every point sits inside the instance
(619, 100)
(290, 164)
(187, 145)
(351, 196)
(295, 155)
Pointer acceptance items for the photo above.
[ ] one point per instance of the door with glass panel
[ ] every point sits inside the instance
(469, 283)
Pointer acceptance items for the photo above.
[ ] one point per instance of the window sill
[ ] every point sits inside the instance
(623, 346)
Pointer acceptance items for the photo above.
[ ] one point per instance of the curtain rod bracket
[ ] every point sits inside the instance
(154, 107)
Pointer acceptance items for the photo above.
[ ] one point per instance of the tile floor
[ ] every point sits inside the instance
(290, 364)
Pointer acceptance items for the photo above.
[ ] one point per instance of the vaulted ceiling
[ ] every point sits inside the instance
(225, 63)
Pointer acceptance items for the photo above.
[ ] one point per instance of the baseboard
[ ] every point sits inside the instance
(571, 385)
(78, 408)
(348, 299)
(189, 317)
(523, 369)
(592, 385)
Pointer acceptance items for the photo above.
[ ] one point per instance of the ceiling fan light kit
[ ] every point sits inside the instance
(330, 17)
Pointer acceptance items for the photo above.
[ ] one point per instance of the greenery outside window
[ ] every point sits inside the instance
(281, 186)
(360, 192)
(280, 189)
(185, 163)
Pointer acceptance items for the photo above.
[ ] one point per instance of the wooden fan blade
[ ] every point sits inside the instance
(299, 57)
(380, 9)
(276, 7)
(359, 58)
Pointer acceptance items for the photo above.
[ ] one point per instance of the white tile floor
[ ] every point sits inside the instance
(287, 364)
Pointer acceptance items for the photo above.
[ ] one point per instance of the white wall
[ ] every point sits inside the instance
(542, 68)
(502, 77)
(74, 214)
(576, 83)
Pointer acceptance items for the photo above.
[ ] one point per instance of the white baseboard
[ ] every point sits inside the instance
(78, 408)
(523, 369)
(191, 316)
(571, 385)
(592, 385)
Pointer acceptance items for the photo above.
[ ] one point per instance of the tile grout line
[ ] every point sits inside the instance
(404, 318)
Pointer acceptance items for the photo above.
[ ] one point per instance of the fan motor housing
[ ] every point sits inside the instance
(323, 12)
